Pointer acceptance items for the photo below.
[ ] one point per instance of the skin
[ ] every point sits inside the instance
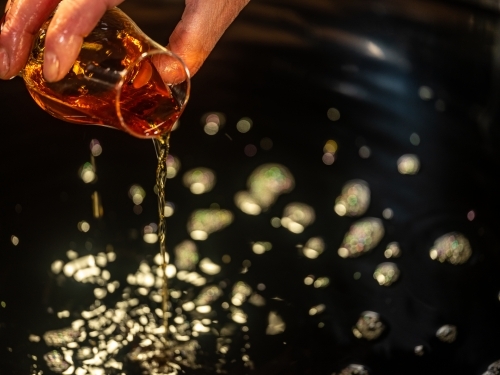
(203, 23)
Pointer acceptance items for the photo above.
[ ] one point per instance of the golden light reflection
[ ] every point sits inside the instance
(321, 282)
(333, 114)
(199, 180)
(173, 166)
(83, 226)
(369, 326)
(452, 247)
(354, 199)
(208, 295)
(95, 147)
(137, 194)
(261, 247)
(186, 255)
(213, 122)
(362, 237)
(241, 291)
(386, 273)
(447, 333)
(244, 125)
(209, 267)
(318, 309)
(265, 185)
(247, 203)
(87, 173)
(309, 280)
(206, 221)
(238, 315)
(314, 247)
(55, 361)
(408, 164)
(297, 216)
(14, 240)
(275, 324)
(57, 266)
(392, 250)
(354, 369)
(70, 268)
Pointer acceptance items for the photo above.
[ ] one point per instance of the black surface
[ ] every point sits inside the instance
(283, 64)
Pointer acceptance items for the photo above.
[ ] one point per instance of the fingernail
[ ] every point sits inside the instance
(4, 62)
(50, 66)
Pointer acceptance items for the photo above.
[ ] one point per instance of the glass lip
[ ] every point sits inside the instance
(159, 51)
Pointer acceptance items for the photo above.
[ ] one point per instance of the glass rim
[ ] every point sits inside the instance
(118, 87)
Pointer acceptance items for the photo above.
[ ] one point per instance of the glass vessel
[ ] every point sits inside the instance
(121, 79)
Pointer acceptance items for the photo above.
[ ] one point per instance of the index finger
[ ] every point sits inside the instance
(22, 21)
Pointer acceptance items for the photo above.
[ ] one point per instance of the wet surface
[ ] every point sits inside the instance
(333, 92)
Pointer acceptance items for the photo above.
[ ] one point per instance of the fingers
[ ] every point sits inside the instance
(22, 21)
(203, 23)
(73, 20)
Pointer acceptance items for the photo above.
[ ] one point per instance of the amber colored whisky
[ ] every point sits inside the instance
(105, 85)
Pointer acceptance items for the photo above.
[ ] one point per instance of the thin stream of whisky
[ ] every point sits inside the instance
(162, 148)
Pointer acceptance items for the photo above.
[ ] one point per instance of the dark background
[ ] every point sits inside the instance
(283, 64)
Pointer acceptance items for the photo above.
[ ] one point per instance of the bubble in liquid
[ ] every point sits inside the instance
(452, 247)
(55, 361)
(392, 250)
(447, 333)
(493, 369)
(204, 222)
(369, 326)
(297, 216)
(354, 199)
(199, 180)
(314, 247)
(408, 164)
(354, 369)
(362, 237)
(386, 273)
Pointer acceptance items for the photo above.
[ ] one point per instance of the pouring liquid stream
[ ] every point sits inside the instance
(162, 146)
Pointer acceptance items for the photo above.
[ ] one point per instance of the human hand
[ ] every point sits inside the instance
(203, 23)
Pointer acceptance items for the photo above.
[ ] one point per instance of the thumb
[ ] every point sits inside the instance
(203, 23)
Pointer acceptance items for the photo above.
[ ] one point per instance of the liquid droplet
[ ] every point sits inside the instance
(354, 199)
(369, 326)
(408, 164)
(386, 273)
(452, 247)
(199, 180)
(493, 369)
(392, 250)
(354, 370)
(447, 333)
(297, 216)
(419, 350)
(55, 361)
(276, 325)
(362, 237)
(204, 222)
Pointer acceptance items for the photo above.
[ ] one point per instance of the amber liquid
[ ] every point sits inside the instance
(88, 93)
(162, 146)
